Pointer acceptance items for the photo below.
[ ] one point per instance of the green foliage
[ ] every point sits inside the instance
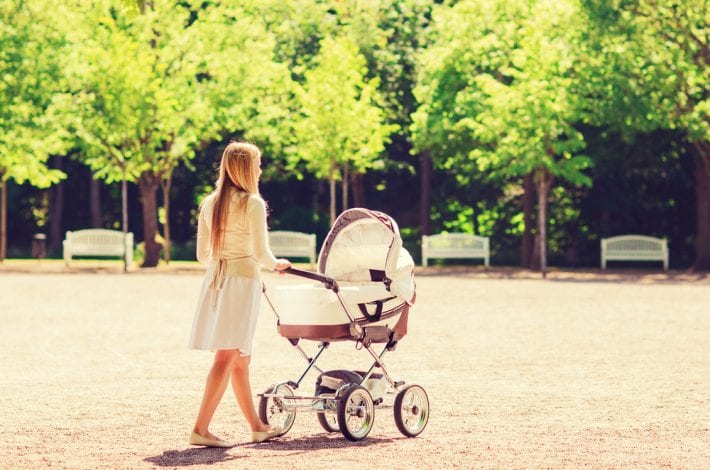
(247, 91)
(136, 101)
(497, 90)
(340, 121)
(151, 88)
(31, 53)
(648, 69)
(648, 65)
(388, 34)
(464, 218)
(503, 88)
(296, 26)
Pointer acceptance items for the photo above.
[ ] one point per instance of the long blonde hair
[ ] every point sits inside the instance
(238, 171)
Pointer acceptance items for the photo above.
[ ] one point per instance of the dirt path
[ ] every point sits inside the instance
(576, 371)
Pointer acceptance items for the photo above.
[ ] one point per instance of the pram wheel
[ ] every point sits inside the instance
(411, 410)
(326, 385)
(328, 418)
(356, 413)
(276, 411)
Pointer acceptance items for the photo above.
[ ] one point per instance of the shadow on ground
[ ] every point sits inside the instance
(192, 456)
(210, 455)
(321, 441)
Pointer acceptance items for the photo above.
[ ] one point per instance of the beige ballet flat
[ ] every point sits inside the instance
(200, 440)
(261, 436)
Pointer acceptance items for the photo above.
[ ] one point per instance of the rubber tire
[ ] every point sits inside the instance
(398, 411)
(322, 417)
(343, 409)
(264, 406)
(325, 424)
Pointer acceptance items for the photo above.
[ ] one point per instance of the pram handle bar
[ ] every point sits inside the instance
(328, 281)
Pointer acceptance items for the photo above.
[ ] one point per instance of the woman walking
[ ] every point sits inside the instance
(232, 238)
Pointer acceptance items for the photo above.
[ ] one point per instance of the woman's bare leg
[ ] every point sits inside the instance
(215, 386)
(242, 390)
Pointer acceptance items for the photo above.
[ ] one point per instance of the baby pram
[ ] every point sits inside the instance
(364, 293)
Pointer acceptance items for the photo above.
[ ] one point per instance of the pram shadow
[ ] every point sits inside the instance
(191, 456)
(321, 441)
(213, 455)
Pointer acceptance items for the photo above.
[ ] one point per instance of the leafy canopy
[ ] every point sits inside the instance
(32, 44)
(497, 90)
(341, 122)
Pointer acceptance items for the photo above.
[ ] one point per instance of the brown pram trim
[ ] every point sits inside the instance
(341, 332)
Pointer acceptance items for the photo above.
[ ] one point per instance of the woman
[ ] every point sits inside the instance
(233, 240)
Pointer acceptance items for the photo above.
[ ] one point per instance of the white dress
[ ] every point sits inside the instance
(229, 302)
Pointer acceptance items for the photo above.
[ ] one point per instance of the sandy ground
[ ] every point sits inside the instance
(579, 370)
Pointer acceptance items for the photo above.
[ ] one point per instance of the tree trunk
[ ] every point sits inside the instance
(332, 197)
(56, 208)
(702, 196)
(148, 186)
(358, 184)
(165, 185)
(95, 203)
(425, 170)
(124, 212)
(344, 183)
(528, 241)
(320, 189)
(543, 181)
(535, 257)
(3, 219)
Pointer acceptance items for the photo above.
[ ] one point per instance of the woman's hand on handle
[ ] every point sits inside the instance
(282, 264)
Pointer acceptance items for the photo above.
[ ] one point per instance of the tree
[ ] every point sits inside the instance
(160, 83)
(443, 70)
(341, 126)
(31, 45)
(249, 91)
(513, 100)
(649, 68)
(389, 34)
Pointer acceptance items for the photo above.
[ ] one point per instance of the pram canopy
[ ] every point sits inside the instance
(365, 245)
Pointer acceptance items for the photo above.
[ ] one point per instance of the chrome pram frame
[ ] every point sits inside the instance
(350, 408)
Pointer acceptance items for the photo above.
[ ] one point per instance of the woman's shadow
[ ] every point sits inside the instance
(192, 456)
(211, 455)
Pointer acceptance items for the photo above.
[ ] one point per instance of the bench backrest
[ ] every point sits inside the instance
(455, 245)
(634, 248)
(98, 242)
(634, 244)
(454, 242)
(288, 243)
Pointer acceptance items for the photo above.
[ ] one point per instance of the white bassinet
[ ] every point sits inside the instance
(373, 284)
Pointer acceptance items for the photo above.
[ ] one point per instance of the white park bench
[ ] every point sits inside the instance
(285, 243)
(455, 245)
(634, 248)
(98, 242)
